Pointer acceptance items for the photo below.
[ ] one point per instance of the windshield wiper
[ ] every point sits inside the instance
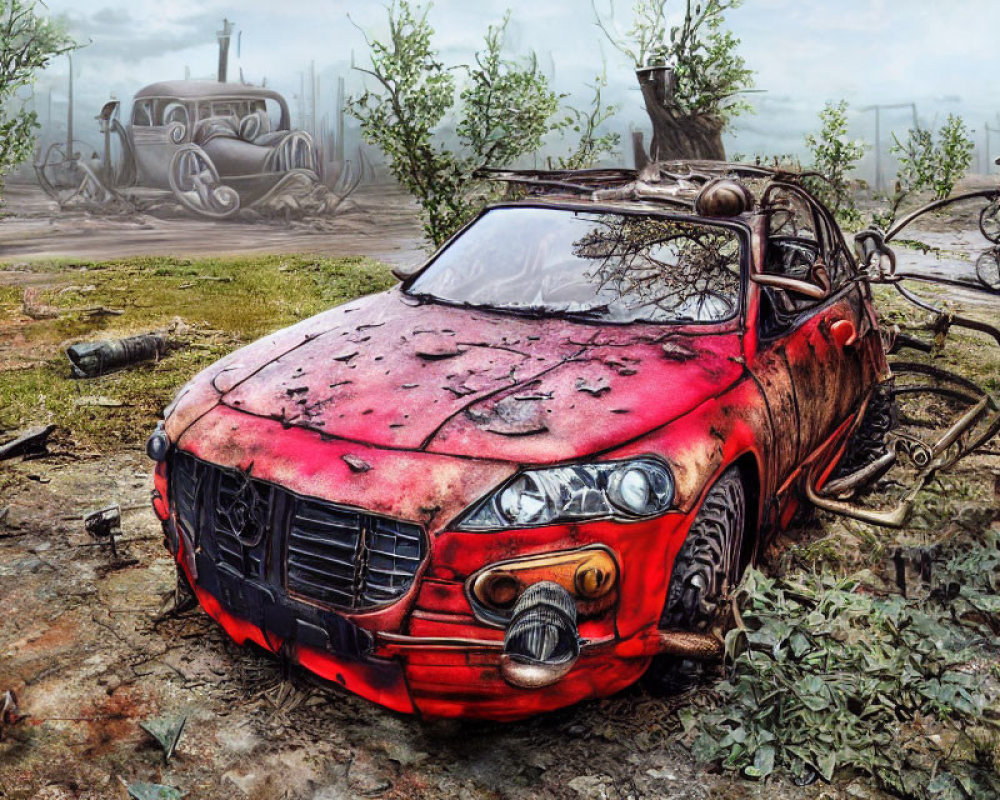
(583, 312)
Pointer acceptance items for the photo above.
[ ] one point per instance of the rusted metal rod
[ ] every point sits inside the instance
(688, 644)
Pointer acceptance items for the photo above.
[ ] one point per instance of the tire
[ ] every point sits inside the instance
(707, 566)
(867, 443)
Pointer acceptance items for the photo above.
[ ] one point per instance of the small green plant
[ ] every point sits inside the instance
(953, 155)
(835, 156)
(927, 163)
(826, 674)
(591, 145)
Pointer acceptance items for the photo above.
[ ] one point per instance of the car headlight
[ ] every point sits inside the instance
(622, 490)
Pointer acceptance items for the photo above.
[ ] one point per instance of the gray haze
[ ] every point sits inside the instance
(937, 55)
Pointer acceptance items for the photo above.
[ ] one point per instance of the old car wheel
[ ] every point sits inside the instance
(708, 564)
(196, 184)
(989, 221)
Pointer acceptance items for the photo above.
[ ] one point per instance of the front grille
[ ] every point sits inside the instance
(350, 559)
(316, 551)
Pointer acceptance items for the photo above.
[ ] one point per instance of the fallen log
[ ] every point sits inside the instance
(30, 443)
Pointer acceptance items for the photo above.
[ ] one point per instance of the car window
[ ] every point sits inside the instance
(838, 263)
(796, 244)
(791, 216)
(174, 112)
(605, 266)
(142, 113)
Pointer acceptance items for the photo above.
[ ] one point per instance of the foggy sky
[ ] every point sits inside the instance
(940, 55)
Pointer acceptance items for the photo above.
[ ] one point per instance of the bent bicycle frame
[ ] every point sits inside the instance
(973, 428)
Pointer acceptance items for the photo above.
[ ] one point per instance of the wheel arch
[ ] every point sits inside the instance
(750, 476)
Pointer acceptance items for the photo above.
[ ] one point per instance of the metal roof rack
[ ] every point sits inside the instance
(676, 182)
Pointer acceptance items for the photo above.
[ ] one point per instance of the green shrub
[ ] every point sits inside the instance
(825, 674)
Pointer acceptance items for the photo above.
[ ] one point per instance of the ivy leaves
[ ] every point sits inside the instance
(824, 675)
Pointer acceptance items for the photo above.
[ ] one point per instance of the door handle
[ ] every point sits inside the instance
(844, 333)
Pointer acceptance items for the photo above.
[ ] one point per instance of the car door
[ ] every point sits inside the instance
(821, 342)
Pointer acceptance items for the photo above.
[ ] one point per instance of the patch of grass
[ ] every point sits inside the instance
(224, 302)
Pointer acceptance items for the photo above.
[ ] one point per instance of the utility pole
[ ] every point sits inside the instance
(878, 108)
(224, 36)
(339, 144)
(302, 99)
(69, 112)
(312, 100)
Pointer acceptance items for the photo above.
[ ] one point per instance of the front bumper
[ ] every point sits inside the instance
(441, 661)
(429, 653)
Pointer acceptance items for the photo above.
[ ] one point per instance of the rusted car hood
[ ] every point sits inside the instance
(394, 373)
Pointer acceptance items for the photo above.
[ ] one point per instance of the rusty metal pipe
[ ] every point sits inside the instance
(688, 644)
(861, 477)
(91, 359)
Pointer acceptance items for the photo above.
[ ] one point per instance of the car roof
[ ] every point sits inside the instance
(675, 184)
(197, 90)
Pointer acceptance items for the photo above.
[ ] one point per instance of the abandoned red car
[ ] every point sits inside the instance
(536, 466)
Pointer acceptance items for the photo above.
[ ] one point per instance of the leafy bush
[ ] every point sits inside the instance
(835, 156)
(927, 162)
(591, 145)
(825, 674)
(29, 42)
(503, 112)
(938, 165)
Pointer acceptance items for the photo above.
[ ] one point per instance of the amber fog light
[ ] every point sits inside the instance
(593, 580)
(586, 575)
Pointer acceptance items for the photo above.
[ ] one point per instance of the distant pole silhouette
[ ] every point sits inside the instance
(224, 36)
(69, 112)
(879, 178)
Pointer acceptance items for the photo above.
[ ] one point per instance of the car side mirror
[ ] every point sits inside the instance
(793, 285)
(406, 271)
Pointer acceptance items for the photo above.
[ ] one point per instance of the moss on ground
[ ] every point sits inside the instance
(219, 304)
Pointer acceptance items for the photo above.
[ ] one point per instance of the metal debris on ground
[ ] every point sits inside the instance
(105, 523)
(167, 732)
(90, 359)
(152, 791)
(33, 307)
(30, 444)
(10, 715)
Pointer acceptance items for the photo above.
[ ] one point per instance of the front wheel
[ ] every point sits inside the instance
(706, 568)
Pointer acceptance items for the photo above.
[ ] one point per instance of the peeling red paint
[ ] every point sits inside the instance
(415, 411)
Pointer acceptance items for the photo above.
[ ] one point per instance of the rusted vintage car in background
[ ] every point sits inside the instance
(217, 147)
(539, 464)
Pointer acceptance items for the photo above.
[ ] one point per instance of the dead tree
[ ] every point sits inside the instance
(690, 74)
(677, 134)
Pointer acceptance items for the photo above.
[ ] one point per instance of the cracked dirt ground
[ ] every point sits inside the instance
(81, 647)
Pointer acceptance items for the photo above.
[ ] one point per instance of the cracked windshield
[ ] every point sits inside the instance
(605, 267)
